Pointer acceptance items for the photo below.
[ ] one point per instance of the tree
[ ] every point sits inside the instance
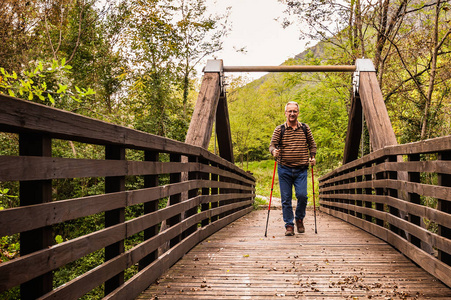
(152, 44)
(87, 37)
(200, 35)
(36, 33)
(167, 39)
(410, 52)
(422, 51)
(18, 32)
(335, 22)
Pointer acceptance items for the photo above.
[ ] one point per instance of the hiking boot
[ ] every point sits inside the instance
(290, 231)
(300, 226)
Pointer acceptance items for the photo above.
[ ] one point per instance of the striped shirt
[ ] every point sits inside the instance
(295, 148)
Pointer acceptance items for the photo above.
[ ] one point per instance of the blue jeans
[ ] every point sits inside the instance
(287, 178)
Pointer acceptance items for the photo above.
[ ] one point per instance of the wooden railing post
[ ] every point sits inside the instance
(174, 199)
(393, 193)
(205, 191)
(351, 191)
(341, 200)
(237, 191)
(113, 217)
(414, 198)
(214, 191)
(35, 192)
(368, 191)
(223, 191)
(330, 200)
(381, 192)
(149, 207)
(191, 194)
(359, 191)
(445, 206)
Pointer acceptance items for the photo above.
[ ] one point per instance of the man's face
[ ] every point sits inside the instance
(292, 113)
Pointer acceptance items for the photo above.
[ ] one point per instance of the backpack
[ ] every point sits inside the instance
(282, 131)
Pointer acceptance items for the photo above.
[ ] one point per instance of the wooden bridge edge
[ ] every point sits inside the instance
(134, 286)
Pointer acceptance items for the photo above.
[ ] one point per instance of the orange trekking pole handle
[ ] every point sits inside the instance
(314, 201)
(270, 197)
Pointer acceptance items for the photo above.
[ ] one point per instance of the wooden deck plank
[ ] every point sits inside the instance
(341, 261)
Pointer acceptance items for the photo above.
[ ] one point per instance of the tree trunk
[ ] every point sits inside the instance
(434, 55)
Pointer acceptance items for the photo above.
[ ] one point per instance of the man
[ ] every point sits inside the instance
(294, 148)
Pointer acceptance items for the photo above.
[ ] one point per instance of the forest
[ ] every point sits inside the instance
(134, 62)
(409, 44)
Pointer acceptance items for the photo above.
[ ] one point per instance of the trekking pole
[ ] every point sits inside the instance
(314, 202)
(270, 197)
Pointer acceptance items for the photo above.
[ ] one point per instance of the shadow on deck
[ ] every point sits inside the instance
(341, 261)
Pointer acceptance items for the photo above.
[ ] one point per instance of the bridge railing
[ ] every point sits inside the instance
(204, 193)
(401, 194)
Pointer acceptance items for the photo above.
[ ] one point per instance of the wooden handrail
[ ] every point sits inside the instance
(369, 193)
(219, 193)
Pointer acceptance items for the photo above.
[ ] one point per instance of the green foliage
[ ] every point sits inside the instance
(410, 51)
(323, 108)
(41, 83)
(132, 63)
(10, 247)
(168, 39)
(263, 171)
(79, 267)
(4, 197)
(257, 108)
(258, 201)
(129, 62)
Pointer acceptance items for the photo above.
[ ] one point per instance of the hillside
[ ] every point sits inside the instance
(256, 108)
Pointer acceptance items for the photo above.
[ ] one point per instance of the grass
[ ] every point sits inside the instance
(263, 172)
(258, 201)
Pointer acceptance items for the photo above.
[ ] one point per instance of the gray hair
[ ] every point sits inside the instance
(291, 102)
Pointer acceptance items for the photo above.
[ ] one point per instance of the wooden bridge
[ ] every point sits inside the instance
(381, 193)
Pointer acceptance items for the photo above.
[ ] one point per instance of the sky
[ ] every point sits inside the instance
(254, 27)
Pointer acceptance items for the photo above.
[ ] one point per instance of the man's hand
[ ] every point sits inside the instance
(312, 161)
(275, 152)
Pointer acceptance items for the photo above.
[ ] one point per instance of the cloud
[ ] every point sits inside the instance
(256, 31)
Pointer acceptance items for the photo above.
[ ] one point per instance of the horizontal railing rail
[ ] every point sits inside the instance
(401, 194)
(136, 247)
